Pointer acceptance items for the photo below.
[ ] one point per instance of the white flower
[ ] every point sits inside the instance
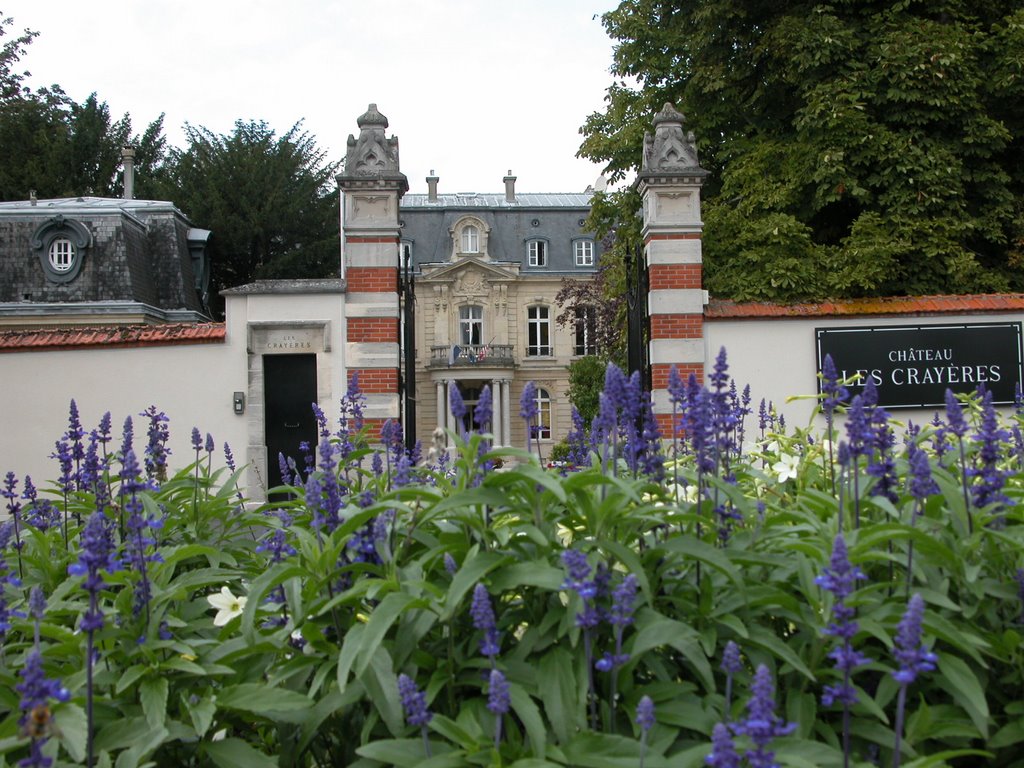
(786, 467)
(228, 606)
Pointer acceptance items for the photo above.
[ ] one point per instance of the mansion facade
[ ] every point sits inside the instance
(487, 269)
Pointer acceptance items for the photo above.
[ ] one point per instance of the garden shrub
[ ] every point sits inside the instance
(736, 593)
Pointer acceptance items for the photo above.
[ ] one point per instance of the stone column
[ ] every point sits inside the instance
(449, 417)
(506, 417)
(496, 411)
(669, 185)
(371, 187)
(441, 394)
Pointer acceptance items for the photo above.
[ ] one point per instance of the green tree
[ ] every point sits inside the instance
(855, 148)
(60, 148)
(270, 201)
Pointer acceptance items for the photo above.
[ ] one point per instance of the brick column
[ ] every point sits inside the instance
(669, 184)
(371, 188)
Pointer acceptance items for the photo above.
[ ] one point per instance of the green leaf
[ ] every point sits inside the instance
(452, 731)
(71, 728)
(659, 631)
(201, 712)
(409, 753)
(129, 676)
(382, 686)
(261, 699)
(969, 692)
(769, 642)
(473, 569)
(538, 573)
(599, 750)
(235, 753)
(347, 655)
(143, 744)
(153, 696)
(529, 716)
(694, 549)
(556, 688)
(383, 616)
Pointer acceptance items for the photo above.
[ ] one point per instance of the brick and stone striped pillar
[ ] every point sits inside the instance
(371, 187)
(669, 184)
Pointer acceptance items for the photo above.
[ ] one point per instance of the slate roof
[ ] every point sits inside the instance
(556, 218)
(497, 200)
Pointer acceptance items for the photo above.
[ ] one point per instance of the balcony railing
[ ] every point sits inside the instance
(468, 355)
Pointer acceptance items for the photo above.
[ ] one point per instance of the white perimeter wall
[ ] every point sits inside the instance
(777, 357)
(192, 383)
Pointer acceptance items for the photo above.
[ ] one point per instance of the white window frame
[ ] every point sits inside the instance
(537, 253)
(543, 425)
(538, 325)
(471, 318)
(470, 239)
(62, 255)
(583, 253)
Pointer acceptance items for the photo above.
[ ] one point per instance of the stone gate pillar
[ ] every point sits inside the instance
(371, 187)
(669, 184)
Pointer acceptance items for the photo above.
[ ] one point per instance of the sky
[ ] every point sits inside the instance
(471, 88)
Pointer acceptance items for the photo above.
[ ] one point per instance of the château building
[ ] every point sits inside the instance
(487, 270)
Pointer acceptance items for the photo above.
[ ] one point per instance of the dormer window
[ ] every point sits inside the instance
(470, 239)
(61, 245)
(583, 250)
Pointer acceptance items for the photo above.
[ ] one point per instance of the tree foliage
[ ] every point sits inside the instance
(270, 201)
(855, 148)
(61, 148)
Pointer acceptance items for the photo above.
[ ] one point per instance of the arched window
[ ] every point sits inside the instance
(62, 255)
(538, 331)
(470, 239)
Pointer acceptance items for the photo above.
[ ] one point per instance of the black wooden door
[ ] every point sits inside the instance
(289, 391)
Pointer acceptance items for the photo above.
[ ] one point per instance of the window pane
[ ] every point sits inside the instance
(538, 253)
(62, 255)
(470, 239)
(538, 331)
(543, 429)
(471, 325)
(584, 250)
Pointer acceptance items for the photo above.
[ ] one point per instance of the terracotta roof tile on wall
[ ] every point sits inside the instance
(50, 339)
(721, 309)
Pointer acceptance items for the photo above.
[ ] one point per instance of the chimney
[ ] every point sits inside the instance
(432, 187)
(510, 187)
(128, 162)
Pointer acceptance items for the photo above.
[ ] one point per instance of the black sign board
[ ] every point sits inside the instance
(914, 365)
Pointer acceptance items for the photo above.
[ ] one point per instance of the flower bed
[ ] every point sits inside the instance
(738, 593)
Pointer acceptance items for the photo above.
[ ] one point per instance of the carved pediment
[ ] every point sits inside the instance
(451, 273)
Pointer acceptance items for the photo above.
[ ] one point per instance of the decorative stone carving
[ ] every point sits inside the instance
(470, 284)
(500, 294)
(670, 149)
(372, 154)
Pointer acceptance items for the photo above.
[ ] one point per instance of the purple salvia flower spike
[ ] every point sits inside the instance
(723, 751)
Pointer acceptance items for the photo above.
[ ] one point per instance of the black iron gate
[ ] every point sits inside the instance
(638, 331)
(407, 343)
